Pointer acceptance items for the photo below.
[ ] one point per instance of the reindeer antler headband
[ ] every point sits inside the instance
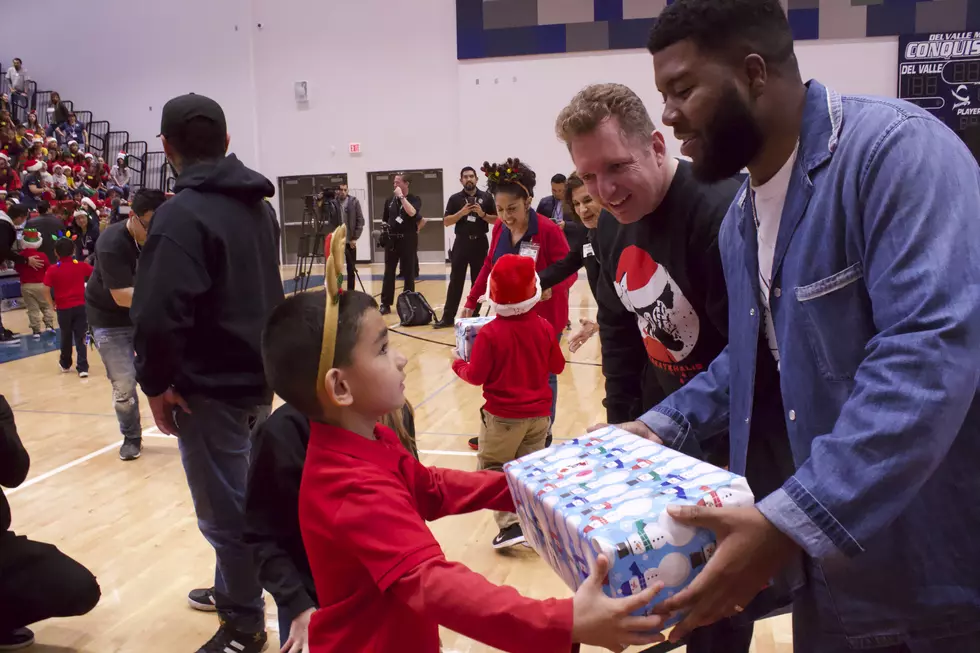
(333, 276)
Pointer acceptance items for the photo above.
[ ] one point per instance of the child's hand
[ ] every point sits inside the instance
(455, 355)
(601, 621)
(299, 630)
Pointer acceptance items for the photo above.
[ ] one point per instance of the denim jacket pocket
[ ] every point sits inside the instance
(837, 313)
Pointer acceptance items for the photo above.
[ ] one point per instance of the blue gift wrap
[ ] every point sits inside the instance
(466, 330)
(608, 492)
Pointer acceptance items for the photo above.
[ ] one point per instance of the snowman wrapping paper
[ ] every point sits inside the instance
(608, 492)
(467, 329)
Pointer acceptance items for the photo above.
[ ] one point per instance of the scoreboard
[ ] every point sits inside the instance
(941, 73)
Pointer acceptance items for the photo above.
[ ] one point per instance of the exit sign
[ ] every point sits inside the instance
(355, 148)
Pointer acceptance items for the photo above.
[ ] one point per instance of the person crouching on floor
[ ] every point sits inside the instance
(382, 581)
(512, 358)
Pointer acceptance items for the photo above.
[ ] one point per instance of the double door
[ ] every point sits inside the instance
(427, 184)
(293, 192)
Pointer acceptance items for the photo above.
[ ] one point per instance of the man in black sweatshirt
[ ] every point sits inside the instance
(208, 279)
(37, 581)
(663, 304)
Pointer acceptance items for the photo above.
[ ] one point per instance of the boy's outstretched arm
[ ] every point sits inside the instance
(440, 492)
(387, 535)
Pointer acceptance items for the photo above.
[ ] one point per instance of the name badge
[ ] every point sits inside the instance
(471, 218)
(399, 220)
(587, 250)
(530, 250)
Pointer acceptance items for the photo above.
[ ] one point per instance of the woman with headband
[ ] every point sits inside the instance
(519, 230)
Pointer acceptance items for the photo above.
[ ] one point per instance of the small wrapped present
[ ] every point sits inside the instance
(466, 330)
(607, 492)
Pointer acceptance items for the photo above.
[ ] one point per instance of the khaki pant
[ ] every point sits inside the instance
(503, 440)
(38, 308)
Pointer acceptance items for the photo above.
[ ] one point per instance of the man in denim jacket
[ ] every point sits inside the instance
(851, 258)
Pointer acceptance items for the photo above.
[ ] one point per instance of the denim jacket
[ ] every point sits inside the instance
(876, 306)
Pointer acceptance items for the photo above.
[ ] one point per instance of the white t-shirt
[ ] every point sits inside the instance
(768, 201)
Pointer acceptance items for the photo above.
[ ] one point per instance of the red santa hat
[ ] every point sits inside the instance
(121, 156)
(87, 202)
(89, 155)
(514, 285)
(34, 166)
(29, 134)
(70, 143)
(52, 139)
(4, 157)
(78, 170)
(57, 167)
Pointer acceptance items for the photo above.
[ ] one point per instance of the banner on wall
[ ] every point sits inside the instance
(940, 72)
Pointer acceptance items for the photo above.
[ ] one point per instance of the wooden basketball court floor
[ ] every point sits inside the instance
(133, 523)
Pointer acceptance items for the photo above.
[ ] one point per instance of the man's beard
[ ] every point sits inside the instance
(730, 141)
(469, 186)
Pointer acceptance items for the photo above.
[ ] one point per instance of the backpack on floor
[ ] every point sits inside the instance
(413, 309)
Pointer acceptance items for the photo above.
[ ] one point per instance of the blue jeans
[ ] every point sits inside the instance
(115, 346)
(553, 384)
(215, 443)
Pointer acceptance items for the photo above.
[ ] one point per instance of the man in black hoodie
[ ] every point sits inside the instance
(37, 581)
(208, 279)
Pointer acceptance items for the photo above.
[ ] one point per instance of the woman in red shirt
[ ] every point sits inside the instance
(519, 230)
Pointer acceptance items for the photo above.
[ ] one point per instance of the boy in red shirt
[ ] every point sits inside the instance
(382, 581)
(512, 358)
(66, 284)
(39, 311)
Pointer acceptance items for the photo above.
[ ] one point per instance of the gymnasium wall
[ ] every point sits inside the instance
(381, 73)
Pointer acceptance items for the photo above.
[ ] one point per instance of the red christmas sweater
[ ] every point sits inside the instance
(512, 358)
(382, 580)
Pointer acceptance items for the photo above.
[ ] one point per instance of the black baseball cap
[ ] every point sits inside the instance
(184, 108)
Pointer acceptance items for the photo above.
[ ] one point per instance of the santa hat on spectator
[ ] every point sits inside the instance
(514, 285)
(51, 139)
(4, 157)
(78, 170)
(70, 143)
(34, 166)
(88, 203)
(32, 239)
(121, 157)
(29, 134)
(57, 167)
(89, 155)
(80, 212)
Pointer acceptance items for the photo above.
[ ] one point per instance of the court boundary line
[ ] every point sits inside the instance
(57, 470)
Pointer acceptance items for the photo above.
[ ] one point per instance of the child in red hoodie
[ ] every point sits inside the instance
(39, 311)
(66, 281)
(512, 358)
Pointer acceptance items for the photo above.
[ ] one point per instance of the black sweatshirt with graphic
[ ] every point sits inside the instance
(663, 305)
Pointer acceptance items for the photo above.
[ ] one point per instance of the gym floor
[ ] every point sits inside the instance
(133, 523)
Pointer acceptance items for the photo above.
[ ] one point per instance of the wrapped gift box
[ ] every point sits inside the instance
(466, 330)
(608, 492)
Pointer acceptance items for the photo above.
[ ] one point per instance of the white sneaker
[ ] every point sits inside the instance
(83, 375)
(64, 370)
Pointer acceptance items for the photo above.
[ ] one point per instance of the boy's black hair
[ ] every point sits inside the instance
(467, 169)
(147, 199)
(18, 211)
(559, 179)
(64, 248)
(43, 207)
(740, 27)
(292, 339)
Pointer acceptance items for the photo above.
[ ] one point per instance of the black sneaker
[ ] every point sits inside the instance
(130, 450)
(9, 337)
(15, 640)
(474, 444)
(202, 599)
(228, 639)
(442, 324)
(510, 536)
(547, 441)
(385, 309)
